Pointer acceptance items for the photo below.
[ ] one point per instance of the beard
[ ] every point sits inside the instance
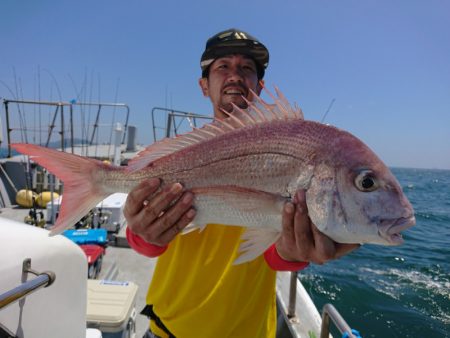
(238, 100)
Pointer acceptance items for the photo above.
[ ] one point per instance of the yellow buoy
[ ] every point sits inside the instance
(44, 197)
(24, 198)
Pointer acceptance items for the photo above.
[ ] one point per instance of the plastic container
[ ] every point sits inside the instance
(94, 254)
(111, 308)
(87, 236)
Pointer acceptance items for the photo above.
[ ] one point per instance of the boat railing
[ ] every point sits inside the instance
(42, 280)
(175, 122)
(330, 312)
(300, 314)
(60, 110)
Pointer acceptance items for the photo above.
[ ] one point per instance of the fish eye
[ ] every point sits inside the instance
(366, 181)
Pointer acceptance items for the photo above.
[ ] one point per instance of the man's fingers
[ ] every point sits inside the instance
(286, 220)
(136, 198)
(325, 246)
(303, 234)
(300, 201)
(328, 249)
(301, 240)
(168, 224)
(302, 223)
(167, 236)
(149, 205)
(160, 202)
(173, 215)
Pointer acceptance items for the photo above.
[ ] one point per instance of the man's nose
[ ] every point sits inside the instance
(236, 74)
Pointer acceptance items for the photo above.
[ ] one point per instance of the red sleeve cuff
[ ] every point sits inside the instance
(277, 263)
(141, 246)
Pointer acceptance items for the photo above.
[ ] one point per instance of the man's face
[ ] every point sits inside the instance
(230, 79)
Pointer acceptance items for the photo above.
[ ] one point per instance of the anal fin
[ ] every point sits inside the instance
(255, 242)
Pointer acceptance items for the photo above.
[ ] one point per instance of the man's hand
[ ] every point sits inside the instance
(157, 217)
(300, 239)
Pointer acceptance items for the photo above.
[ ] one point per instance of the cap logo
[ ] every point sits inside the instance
(237, 35)
(240, 35)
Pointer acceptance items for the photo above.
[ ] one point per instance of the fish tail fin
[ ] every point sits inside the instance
(81, 193)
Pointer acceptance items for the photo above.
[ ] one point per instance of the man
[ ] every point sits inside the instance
(195, 290)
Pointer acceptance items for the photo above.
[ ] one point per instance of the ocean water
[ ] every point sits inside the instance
(399, 291)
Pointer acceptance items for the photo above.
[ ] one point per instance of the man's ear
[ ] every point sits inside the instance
(203, 82)
(259, 86)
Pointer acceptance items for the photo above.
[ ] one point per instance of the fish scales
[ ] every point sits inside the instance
(237, 165)
(267, 157)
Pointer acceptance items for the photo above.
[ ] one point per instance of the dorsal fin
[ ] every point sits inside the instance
(257, 112)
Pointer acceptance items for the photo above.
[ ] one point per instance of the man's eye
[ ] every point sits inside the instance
(249, 69)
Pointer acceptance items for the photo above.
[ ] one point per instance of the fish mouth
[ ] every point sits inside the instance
(390, 229)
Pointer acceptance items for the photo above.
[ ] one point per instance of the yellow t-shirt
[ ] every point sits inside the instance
(197, 292)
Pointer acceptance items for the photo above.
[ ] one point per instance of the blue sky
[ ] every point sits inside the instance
(386, 63)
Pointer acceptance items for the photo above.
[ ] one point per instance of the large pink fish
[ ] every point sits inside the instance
(243, 169)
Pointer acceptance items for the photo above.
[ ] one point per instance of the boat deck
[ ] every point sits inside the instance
(123, 264)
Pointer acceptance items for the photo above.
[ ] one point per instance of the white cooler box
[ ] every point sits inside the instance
(111, 308)
(113, 204)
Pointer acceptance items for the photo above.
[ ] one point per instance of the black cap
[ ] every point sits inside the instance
(234, 41)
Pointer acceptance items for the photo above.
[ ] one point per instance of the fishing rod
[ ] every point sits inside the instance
(328, 110)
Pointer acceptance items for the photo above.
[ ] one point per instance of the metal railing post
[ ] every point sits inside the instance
(292, 295)
(62, 128)
(172, 114)
(71, 128)
(43, 279)
(8, 129)
(50, 130)
(95, 124)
